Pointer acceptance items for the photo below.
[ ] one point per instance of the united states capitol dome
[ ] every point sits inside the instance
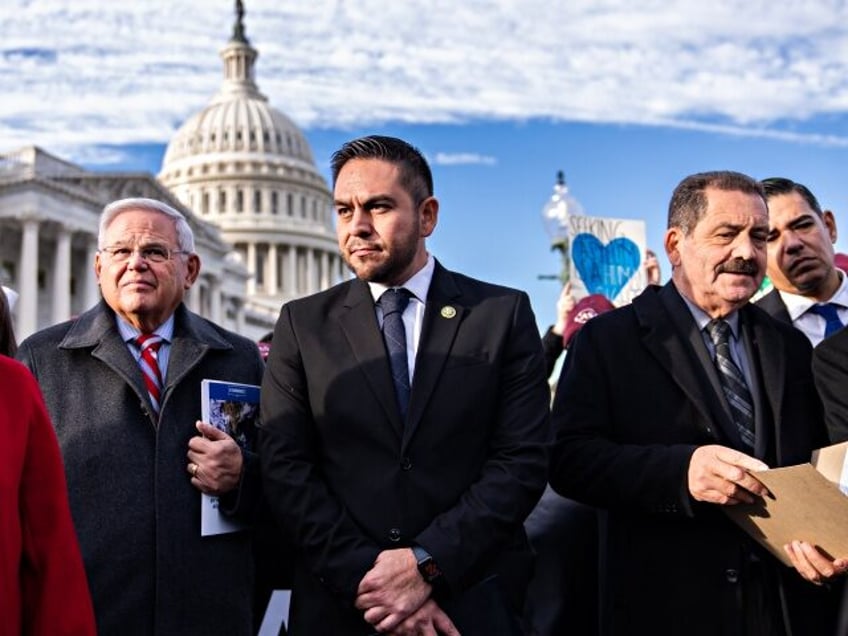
(238, 119)
(246, 168)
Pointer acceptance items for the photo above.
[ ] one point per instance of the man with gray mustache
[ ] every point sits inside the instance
(665, 411)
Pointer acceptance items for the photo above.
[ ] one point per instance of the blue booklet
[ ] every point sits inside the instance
(233, 408)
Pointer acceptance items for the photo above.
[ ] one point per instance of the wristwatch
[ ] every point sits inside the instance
(427, 566)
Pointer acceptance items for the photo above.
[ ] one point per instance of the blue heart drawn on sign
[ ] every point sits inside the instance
(605, 269)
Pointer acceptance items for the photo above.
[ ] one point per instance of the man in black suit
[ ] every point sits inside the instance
(830, 368)
(810, 292)
(398, 518)
(650, 428)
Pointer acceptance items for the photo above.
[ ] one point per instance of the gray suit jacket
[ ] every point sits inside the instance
(135, 511)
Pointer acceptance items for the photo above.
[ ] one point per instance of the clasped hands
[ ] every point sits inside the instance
(723, 476)
(395, 599)
(214, 460)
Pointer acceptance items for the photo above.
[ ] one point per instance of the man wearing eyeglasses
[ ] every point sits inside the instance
(122, 384)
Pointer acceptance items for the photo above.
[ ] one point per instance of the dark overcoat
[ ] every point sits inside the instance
(638, 394)
(134, 508)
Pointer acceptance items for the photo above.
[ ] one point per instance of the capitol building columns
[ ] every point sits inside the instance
(251, 268)
(287, 270)
(90, 288)
(215, 301)
(272, 266)
(51, 266)
(27, 307)
(291, 270)
(61, 276)
(326, 277)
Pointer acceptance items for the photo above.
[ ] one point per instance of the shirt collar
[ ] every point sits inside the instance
(128, 332)
(702, 318)
(418, 284)
(797, 305)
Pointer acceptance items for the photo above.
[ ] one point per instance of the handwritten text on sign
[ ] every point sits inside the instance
(606, 257)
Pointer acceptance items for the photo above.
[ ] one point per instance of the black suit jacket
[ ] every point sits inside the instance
(637, 396)
(830, 368)
(348, 479)
(774, 306)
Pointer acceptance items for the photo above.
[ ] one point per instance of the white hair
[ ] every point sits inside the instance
(185, 237)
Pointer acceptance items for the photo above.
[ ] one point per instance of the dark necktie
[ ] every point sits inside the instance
(148, 344)
(832, 324)
(393, 302)
(732, 382)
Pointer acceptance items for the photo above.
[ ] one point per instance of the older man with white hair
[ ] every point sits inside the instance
(122, 384)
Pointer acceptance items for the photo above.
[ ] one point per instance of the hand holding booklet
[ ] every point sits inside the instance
(807, 502)
(233, 408)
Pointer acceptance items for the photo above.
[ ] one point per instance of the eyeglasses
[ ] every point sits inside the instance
(149, 253)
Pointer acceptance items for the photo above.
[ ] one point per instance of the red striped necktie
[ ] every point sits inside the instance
(148, 344)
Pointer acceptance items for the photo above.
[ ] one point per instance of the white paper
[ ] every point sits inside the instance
(843, 478)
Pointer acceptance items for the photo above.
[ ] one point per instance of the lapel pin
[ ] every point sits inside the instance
(448, 312)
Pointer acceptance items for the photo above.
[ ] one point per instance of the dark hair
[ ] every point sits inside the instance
(415, 175)
(775, 186)
(8, 344)
(689, 203)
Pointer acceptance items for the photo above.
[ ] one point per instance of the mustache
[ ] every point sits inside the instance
(739, 266)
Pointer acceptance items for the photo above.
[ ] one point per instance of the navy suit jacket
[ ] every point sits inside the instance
(348, 479)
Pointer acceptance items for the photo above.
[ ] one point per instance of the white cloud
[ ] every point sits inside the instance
(463, 159)
(81, 72)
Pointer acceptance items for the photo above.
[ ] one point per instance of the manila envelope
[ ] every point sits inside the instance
(806, 504)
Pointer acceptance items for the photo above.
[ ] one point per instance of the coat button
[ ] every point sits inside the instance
(405, 463)
(394, 535)
(731, 575)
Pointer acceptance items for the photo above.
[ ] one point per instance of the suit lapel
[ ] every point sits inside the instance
(193, 338)
(96, 330)
(442, 316)
(672, 338)
(358, 322)
(773, 305)
(765, 351)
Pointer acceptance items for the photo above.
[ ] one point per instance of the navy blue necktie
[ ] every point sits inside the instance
(393, 302)
(832, 324)
(733, 382)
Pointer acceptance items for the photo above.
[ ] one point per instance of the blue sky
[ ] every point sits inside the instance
(626, 97)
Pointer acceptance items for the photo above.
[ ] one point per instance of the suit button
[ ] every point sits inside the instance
(394, 535)
(731, 575)
(405, 463)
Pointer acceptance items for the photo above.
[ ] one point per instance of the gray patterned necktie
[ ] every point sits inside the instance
(733, 382)
(393, 302)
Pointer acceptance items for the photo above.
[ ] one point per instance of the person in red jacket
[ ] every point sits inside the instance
(43, 588)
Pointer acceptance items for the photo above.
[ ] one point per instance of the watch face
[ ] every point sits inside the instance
(429, 570)
(426, 564)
